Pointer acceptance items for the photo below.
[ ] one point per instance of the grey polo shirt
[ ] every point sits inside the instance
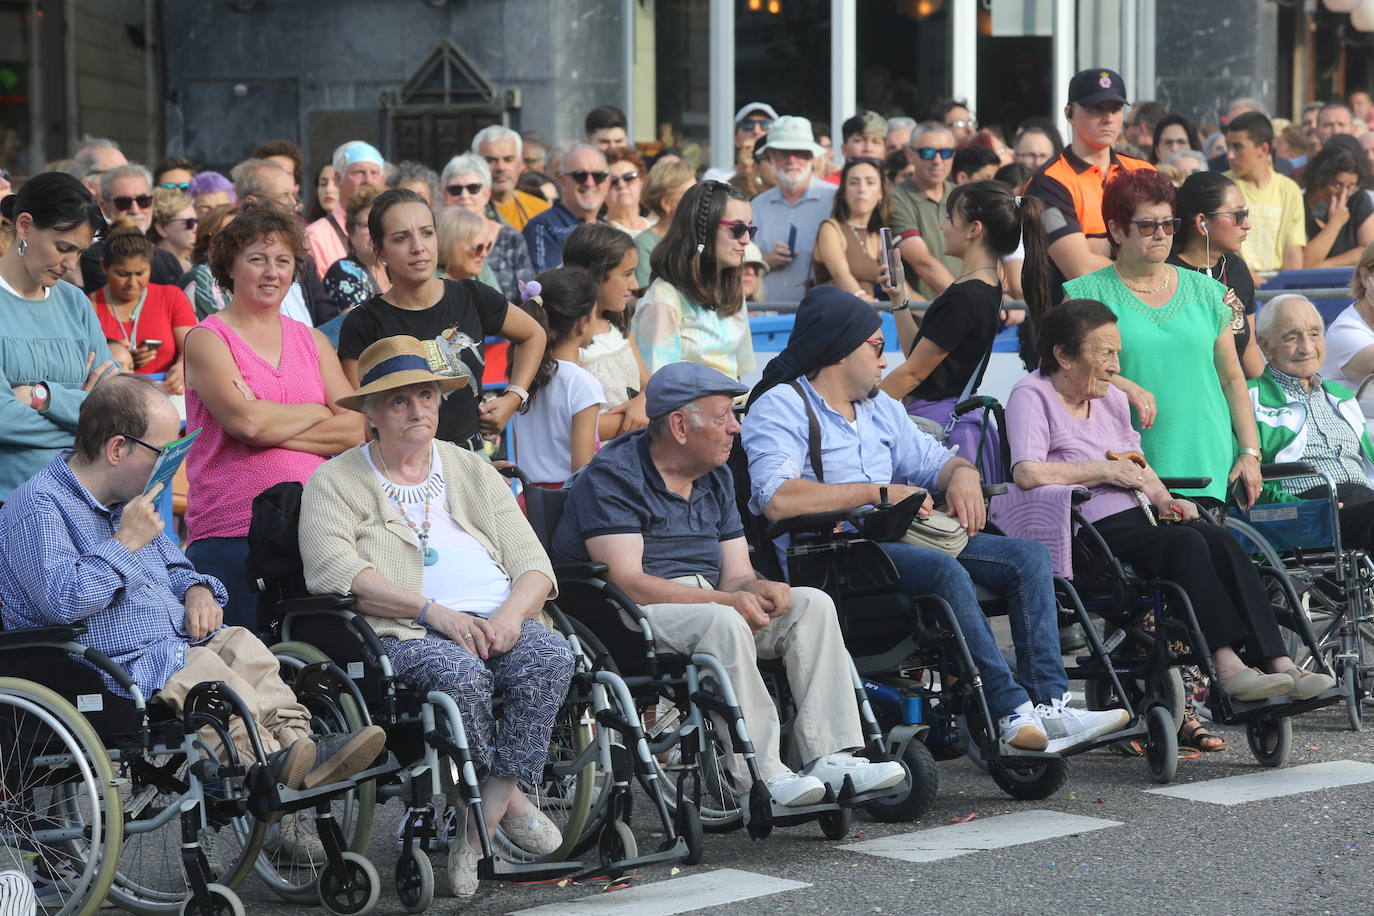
(621, 492)
(914, 210)
(775, 218)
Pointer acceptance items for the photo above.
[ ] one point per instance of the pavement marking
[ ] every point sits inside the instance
(977, 835)
(1237, 790)
(676, 895)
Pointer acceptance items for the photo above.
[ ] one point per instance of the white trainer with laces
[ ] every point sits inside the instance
(1068, 727)
(793, 790)
(1022, 730)
(866, 775)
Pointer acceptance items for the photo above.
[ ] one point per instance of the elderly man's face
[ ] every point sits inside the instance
(1296, 345)
(711, 432)
(1333, 120)
(584, 182)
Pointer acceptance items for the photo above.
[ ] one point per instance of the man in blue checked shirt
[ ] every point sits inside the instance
(80, 543)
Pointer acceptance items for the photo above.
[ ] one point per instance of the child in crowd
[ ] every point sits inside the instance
(555, 431)
(123, 356)
(609, 255)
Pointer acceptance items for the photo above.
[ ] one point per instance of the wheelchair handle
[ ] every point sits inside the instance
(108, 666)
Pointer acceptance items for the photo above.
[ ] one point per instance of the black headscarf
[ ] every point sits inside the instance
(830, 325)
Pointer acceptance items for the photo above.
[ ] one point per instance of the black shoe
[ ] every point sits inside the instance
(342, 756)
(290, 765)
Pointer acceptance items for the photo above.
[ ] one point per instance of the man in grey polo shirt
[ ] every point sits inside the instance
(918, 209)
(658, 508)
(790, 214)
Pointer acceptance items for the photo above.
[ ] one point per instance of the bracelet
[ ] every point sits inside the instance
(906, 304)
(519, 392)
(421, 619)
(1252, 452)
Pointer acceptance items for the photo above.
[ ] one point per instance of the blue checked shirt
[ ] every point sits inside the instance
(60, 565)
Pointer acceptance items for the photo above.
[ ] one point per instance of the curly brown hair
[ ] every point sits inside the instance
(255, 222)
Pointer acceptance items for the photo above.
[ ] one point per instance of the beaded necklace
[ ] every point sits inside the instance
(426, 491)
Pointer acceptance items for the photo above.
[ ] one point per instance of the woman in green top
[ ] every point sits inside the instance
(1178, 363)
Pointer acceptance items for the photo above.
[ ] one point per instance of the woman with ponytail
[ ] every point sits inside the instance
(693, 311)
(986, 221)
(151, 319)
(556, 429)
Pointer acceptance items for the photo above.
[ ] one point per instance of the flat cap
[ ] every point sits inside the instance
(678, 384)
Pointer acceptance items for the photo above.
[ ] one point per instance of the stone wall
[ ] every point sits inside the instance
(1210, 53)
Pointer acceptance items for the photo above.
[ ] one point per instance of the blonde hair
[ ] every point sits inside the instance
(664, 177)
(1366, 263)
(456, 226)
(167, 203)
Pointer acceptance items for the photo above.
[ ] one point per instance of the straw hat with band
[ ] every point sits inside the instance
(395, 362)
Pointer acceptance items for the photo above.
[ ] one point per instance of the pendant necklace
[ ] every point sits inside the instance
(393, 490)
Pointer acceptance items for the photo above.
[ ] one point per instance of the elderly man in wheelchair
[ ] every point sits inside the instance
(819, 404)
(658, 509)
(82, 544)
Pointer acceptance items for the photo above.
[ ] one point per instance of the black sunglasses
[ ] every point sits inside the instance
(152, 448)
(738, 228)
(627, 178)
(764, 124)
(456, 190)
(581, 175)
(930, 152)
(144, 201)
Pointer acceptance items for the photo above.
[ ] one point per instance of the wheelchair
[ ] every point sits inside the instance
(682, 698)
(597, 748)
(117, 798)
(1333, 584)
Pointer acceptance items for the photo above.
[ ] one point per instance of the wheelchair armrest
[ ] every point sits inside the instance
(1286, 469)
(1080, 496)
(1185, 483)
(993, 489)
(108, 666)
(18, 639)
(316, 603)
(815, 522)
(973, 403)
(580, 571)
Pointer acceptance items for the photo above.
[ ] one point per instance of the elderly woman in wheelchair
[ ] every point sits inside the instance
(428, 539)
(1068, 426)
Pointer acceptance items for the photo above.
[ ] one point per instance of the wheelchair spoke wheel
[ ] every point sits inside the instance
(1270, 739)
(917, 792)
(58, 802)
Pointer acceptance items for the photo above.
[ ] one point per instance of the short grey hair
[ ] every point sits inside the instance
(497, 133)
(246, 180)
(466, 162)
(658, 426)
(1173, 158)
(577, 148)
(1269, 315)
(919, 132)
(410, 171)
(130, 170)
(900, 123)
(84, 156)
(1249, 102)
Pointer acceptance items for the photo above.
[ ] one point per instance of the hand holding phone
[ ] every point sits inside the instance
(150, 345)
(885, 242)
(792, 241)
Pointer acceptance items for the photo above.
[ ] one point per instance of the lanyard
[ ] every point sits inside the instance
(133, 319)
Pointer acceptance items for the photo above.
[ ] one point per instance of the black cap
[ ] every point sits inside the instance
(1089, 87)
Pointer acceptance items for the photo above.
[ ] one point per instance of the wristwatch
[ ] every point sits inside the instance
(41, 397)
(519, 392)
(1252, 452)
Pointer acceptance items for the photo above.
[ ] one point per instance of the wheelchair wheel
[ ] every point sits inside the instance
(1270, 739)
(414, 880)
(565, 797)
(617, 844)
(1030, 783)
(917, 792)
(1166, 686)
(688, 822)
(56, 782)
(1161, 750)
(836, 824)
(350, 888)
(1350, 682)
(291, 875)
(223, 902)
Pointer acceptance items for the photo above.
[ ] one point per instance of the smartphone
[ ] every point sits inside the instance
(792, 241)
(150, 344)
(885, 241)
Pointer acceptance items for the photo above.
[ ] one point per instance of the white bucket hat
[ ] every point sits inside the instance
(794, 133)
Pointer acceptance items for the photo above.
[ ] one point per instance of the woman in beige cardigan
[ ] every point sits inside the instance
(429, 540)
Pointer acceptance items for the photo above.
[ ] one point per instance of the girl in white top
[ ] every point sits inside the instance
(1350, 338)
(611, 258)
(556, 428)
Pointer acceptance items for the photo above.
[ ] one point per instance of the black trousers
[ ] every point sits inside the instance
(1356, 512)
(1228, 595)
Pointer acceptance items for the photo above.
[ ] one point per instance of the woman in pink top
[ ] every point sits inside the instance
(262, 387)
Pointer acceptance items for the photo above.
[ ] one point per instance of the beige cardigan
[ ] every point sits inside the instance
(348, 525)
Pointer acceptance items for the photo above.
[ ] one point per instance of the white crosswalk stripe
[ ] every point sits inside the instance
(978, 835)
(676, 895)
(1237, 790)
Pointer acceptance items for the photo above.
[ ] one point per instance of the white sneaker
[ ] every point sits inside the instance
(294, 842)
(462, 868)
(1068, 728)
(866, 775)
(793, 790)
(1022, 729)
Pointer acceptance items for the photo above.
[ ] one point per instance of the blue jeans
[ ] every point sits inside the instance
(1018, 570)
(227, 560)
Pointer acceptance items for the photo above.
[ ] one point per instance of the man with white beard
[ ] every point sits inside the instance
(790, 214)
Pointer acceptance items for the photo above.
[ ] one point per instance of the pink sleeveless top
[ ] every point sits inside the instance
(225, 474)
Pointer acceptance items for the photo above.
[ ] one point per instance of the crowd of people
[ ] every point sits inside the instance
(582, 310)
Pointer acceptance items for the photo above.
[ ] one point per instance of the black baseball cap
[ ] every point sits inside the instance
(1089, 87)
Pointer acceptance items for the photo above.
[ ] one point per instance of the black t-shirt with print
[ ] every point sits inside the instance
(473, 308)
(1231, 270)
(962, 321)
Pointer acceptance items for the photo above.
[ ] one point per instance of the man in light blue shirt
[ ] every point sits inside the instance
(867, 442)
(790, 214)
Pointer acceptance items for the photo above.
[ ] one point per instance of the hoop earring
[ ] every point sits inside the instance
(23, 246)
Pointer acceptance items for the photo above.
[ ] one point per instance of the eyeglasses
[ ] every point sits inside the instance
(763, 124)
(970, 123)
(581, 175)
(458, 190)
(480, 250)
(182, 186)
(627, 178)
(144, 201)
(738, 228)
(1148, 227)
(1237, 216)
(190, 221)
(877, 343)
(930, 152)
(152, 448)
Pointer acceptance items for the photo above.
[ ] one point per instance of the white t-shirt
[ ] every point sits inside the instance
(293, 306)
(466, 578)
(1345, 338)
(543, 434)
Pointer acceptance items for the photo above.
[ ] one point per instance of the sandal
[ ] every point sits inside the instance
(1195, 735)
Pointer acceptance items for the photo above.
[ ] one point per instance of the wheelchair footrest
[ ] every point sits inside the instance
(277, 798)
(495, 868)
(1241, 712)
(1328, 698)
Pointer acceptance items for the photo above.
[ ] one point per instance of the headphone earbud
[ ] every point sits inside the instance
(1203, 227)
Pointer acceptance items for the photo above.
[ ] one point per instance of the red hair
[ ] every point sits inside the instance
(1126, 192)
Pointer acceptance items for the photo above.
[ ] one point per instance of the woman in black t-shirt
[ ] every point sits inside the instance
(1338, 211)
(985, 221)
(455, 316)
(1213, 222)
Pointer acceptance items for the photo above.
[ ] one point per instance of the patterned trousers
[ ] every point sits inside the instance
(532, 679)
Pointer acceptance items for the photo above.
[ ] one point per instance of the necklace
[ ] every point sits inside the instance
(971, 271)
(428, 490)
(1168, 275)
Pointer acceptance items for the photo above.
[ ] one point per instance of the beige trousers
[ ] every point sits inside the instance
(238, 658)
(807, 638)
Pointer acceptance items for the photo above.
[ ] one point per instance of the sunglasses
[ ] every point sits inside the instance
(1237, 216)
(738, 228)
(963, 122)
(627, 178)
(877, 343)
(481, 249)
(182, 186)
(764, 124)
(457, 190)
(1148, 227)
(930, 152)
(137, 441)
(144, 201)
(581, 175)
(190, 221)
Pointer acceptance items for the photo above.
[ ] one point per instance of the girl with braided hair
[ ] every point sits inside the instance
(693, 311)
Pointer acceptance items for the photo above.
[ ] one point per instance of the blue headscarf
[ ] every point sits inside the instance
(830, 325)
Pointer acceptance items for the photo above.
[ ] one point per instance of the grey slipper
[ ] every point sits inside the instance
(1307, 684)
(1253, 684)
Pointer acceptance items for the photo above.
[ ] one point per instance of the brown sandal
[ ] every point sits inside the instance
(1195, 735)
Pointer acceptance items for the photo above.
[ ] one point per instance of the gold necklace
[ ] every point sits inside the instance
(1168, 275)
(970, 271)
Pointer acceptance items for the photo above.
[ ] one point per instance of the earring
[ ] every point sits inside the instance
(23, 246)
